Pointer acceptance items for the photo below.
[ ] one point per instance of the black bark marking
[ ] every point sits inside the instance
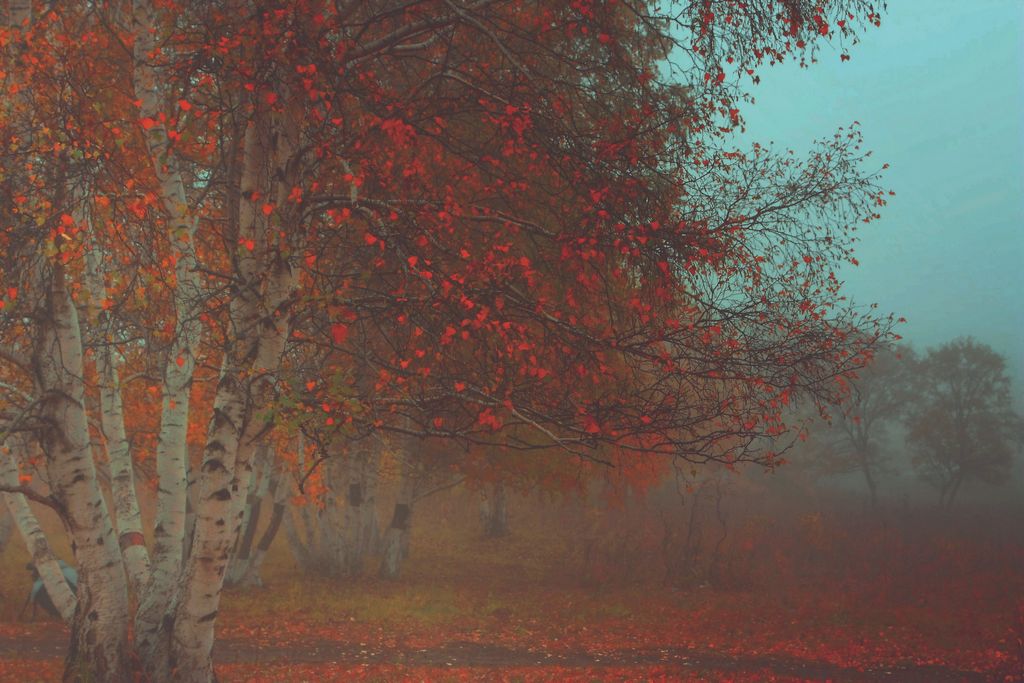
(214, 464)
(275, 523)
(221, 494)
(212, 447)
(400, 520)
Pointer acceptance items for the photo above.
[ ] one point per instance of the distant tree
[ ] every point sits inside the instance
(854, 440)
(961, 425)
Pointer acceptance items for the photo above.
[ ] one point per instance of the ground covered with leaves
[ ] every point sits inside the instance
(515, 609)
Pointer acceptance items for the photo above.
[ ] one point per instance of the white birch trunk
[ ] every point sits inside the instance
(494, 511)
(361, 534)
(127, 517)
(172, 448)
(99, 630)
(259, 485)
(396, 538)
(265, 271)
(352, 541)
(99, 624)
(202, 577)
(330, 520)
(259, 329)
(279, 495)
(43, 559)
(369, 521)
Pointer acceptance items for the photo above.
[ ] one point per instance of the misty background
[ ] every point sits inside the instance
(938, 90)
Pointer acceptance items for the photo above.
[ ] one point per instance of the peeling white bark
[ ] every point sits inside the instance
(219, 485)
(172, 449)
(127, 517)
(259, 325)
(278, 490)
(99, 630)
(99, 622)
(43, 559)
(259, 328)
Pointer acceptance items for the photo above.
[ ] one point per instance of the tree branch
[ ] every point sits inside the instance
(437, 489)
(35, 496)
(12, 355)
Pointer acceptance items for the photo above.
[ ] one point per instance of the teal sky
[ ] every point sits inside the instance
(939, 93)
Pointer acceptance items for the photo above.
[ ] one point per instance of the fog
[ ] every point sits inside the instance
(939, 94)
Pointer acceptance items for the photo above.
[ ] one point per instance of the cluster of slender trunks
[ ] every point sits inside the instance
(176, 593)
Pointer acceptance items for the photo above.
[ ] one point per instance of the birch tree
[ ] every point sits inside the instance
(530, 230)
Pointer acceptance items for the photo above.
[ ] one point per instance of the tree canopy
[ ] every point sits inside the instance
(490, 221)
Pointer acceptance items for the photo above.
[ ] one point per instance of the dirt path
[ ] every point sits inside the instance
(469, 654)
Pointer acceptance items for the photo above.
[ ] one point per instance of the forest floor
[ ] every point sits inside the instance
(510, 609)
(37, 655)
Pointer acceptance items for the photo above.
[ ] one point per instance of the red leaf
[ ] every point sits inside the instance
(339, 333)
